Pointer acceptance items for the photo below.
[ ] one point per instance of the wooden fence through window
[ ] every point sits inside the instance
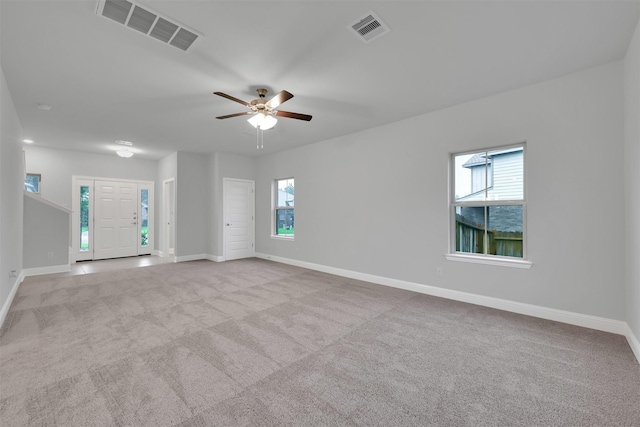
(470, 238)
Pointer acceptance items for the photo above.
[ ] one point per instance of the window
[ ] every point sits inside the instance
(488, 203)
(283, 211)
(84, 218)
(144, 217)
(32, 183)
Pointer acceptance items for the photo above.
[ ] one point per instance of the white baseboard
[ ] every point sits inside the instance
(197, 257)
(634, 343)
(587, 321)
(52, 269)
(194, 257)
(12, 294)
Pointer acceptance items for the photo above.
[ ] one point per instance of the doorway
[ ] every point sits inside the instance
(112, 218)
(168, 217)
(238, 218)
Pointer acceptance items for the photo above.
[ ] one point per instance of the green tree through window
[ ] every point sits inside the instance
(84, 218)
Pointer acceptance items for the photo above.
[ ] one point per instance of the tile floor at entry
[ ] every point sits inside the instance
(104, 265)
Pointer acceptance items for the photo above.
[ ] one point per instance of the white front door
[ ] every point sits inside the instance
(116, 219)
(238, 218)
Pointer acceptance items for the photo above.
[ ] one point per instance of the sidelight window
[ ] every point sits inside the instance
(84, 218)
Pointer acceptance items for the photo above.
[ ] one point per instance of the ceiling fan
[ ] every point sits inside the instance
(264, 112)
(264, 109)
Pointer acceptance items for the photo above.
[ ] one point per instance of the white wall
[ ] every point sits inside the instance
(193, 193)
(632, 180)
(11, 188)
(46, 234)
(376, 202)
(168, 167)
(58, 166)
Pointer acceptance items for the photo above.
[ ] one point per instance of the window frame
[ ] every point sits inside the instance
(276, 208)
(486, 258)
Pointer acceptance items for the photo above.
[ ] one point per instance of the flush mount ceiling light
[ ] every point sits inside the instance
(28, 141)
(125, 151)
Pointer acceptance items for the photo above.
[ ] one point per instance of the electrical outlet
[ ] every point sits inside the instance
(13, 274)
(439, 272)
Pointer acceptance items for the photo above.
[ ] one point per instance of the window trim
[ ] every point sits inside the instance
(489, 259)
(276, 207)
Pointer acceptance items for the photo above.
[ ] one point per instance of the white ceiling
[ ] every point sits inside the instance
(108, 82)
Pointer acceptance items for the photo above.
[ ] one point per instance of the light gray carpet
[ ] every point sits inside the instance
(252, 342)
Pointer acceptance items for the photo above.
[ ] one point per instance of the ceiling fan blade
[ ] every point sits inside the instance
(279, 99)
(235, 115)
(291, 115)
(239, 101)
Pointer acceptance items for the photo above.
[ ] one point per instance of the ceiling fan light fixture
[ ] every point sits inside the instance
(268, 122)
(262, 121)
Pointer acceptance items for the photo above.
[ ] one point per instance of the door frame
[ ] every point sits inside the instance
(76, 181)
(168, 228)
(224, 214)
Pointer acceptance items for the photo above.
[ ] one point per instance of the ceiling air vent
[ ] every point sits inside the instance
(183, 39)
(147, 21)
(368, 27)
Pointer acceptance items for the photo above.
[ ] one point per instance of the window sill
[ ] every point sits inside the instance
(288, 239)
(503, 262)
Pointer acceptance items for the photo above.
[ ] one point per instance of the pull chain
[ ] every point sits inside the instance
(259, 138)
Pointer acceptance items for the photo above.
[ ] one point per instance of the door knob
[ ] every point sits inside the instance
(228, 224)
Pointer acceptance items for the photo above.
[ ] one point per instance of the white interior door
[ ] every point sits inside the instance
(238, 218)
(168, 217)
(116, 219)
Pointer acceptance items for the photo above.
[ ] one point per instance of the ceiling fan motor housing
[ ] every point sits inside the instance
(259, 103)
